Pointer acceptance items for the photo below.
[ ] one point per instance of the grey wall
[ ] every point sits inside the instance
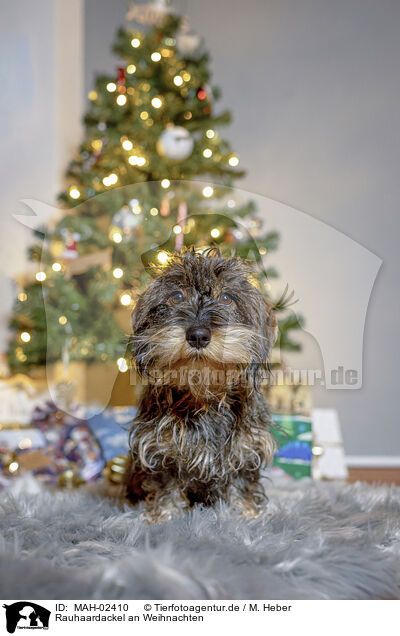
(313, 85)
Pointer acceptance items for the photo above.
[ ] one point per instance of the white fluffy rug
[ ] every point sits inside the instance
(315, 541)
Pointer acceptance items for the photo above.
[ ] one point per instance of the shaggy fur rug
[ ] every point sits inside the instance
(315, 541)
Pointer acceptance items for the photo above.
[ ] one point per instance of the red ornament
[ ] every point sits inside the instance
(201, 93)
(121, 75)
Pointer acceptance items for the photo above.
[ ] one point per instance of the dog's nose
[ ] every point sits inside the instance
(198, 337)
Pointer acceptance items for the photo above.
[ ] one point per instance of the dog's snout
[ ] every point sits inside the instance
(198, 337)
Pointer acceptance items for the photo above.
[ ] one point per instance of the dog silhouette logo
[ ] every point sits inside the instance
(26, 615)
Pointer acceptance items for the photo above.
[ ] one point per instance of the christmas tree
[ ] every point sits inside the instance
(141, 184)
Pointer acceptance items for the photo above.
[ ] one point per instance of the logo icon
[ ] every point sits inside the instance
(26, 615)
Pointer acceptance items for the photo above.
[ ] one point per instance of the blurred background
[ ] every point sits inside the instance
(313, 91)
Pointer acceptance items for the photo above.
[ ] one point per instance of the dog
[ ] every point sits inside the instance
(202, 335)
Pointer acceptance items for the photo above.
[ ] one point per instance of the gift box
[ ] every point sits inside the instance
(293, 457)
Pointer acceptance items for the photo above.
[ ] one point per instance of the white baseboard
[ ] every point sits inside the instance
(373, 461)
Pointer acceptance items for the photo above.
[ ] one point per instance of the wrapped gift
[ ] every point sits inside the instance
(293, 435)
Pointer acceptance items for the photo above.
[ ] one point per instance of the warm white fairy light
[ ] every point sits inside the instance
(122, 365)
(92, 95)
(111, 87)
(165, 183)
(135, 42)
(141, 161)
(127, 144)
(40, 276)
(74, 193)
(117, 237)
(25, 442)
(231, 203)
(156, 56)
(208, 191)
(133, 160)
(130, 69)
(118, 272)
(13, 467)
(56, 267)
(125, 300)
(207, 153)
(110, 180)
(162, 257)
(178, 81)
(210, 133)
(153, 211)
(262, 251)
(121, 100)
(177, 229)
(63, 320)
(144, 115)
(22, 297)
(25, 336)
(233, 161)
(186, 76)
(156, 102)
(215, 232)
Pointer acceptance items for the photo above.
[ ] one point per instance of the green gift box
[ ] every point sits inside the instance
(293, 435)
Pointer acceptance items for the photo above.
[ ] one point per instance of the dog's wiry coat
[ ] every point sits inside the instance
(202, 430)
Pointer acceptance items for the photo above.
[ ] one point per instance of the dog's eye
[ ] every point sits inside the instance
(176, 298)
(225, 299)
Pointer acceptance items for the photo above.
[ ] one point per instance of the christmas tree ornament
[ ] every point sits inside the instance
(165, 207)
(121, 76)
(181, 220)
(70, 244)
(175, 143)
(126, 220)
(115, 469)
(187, 43)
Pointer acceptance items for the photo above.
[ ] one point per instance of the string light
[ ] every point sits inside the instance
(121, 100)
(111, 179)
(262, 251)
(153, 211)
(97, 144)
(133, 160)
(165, 183)
(63, 320)
(144, 115)
(233, 161)
(208, 191)
(177, 229)
(156, 102)
(135, 42)
(127, 144)
(215, 232)
(162, 257)
(56, 267)
(122, 365)
(231, 203)
(207, 153)
(156, 56)
(118, 272)
(125, 300)
(141, 161)
(111, 87)
(92, 95)
(178, 81)
(117, 237)
(40, 276)
(186, 76)
(74, 192)
(210, 134)
(13, 467)
(131, 69)
(25, 336)
(22, 297)
(25, 443)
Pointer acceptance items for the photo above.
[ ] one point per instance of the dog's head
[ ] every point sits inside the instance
(204, 312)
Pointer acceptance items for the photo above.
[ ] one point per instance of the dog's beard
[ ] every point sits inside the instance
(167, 358)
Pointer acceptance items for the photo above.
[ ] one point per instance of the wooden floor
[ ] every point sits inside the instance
(375, 475)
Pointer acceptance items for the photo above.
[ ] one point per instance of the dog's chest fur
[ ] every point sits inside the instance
(205, 441)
